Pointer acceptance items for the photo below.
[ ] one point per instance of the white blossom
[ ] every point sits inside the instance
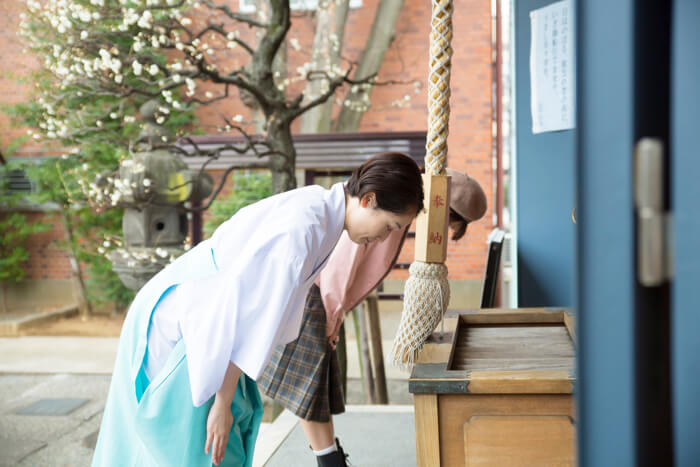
(145, 20)
(130, 17)
(115, 65)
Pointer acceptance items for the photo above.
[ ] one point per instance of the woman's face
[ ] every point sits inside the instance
(366, 223)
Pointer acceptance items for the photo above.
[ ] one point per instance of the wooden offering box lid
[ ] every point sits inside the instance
(499, 351)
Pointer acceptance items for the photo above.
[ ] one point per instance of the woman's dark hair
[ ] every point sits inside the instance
(461, 229)
(395, 180)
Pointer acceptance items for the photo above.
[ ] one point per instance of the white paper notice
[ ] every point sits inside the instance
(552, 85)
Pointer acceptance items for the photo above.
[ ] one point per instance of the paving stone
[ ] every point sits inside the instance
(370, 440)
(52, 407)
(90, 441)
(13, 450)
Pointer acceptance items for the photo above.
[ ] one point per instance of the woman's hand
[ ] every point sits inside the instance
(219, 424)
(220, 418)
(333, 340)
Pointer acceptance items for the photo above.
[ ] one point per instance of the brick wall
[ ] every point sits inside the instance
(15, 65)
(49, 259)
(470, 140)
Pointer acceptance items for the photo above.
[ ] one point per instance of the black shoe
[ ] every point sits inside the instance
(333, 459)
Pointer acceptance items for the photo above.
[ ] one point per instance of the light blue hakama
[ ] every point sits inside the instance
(156, 423)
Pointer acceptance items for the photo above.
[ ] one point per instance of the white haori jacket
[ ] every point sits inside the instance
(266, 257)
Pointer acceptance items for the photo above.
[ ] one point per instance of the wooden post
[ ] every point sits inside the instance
(431, 223)
(427, 430)
(342, 350)
(368, 379)
(375, 335)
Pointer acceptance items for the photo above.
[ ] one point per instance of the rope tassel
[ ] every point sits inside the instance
(427, 294)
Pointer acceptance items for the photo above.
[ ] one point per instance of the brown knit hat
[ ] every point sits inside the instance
(467, 198)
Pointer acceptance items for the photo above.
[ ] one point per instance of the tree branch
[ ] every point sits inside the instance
(237, 16)
(333, 84)
(262, 64)
(209, 101)
(219, 29)
(162, 7)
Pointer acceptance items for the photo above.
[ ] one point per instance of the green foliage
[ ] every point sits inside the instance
(247, 189)
(15, 230)
(57, 181)
(84, 100)
(89, 229)
(13, 254)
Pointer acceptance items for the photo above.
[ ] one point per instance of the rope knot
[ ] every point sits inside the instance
(426, 296)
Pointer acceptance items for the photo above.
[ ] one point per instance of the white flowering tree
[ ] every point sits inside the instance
(104, 58)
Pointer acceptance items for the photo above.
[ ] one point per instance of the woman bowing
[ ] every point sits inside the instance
(201, 331)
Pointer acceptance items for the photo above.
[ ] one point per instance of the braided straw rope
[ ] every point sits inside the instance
(427, 292)
(439, 87)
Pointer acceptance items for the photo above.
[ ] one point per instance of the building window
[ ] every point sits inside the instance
(248, 6)
(16, 181)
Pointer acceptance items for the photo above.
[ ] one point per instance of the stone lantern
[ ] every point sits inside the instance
(155, 224)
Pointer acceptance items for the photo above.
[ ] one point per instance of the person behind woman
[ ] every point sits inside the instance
(304, 376)
(201, 330)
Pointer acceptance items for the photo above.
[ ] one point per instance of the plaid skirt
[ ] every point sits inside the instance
(304, 375)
